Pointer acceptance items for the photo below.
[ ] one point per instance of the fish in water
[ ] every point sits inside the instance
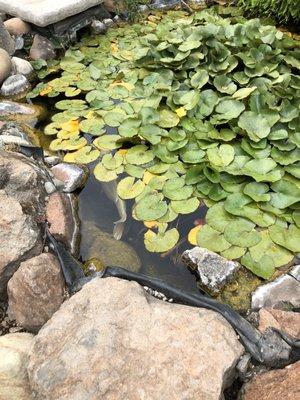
(110, 189)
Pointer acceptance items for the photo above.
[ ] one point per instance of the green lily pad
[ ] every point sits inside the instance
(185, 206)
(233, 253)
(138, 155)
(256, 126)
(212, 239)
(218, 218)
(286, 237)
(161, 242)
(129, 189)
(107, 142)
(151, 207)
(221, 156)
(176, 189)
(106, 175)
(241, 233)
(167, 119)
(264, 268)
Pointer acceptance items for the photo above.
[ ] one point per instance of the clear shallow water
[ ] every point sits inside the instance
(95, 206)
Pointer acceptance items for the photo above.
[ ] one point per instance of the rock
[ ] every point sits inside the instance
(143, 8)
(17, 27)
(22, 179)
(274, 385)
(110, 5)
(19, 238)
(108, 22)
(50, 187)
(50, 161)
(98, 27)
(72, 175)
(13, 111)
(5, 65)
(62, 215)
(111, 252)
(286, 321)
(48, 12)
(42, 48)
(35, 291)
(15, 85)
(93, 265)
(295, 272)
(112, 340)
(283, 290)
(14, 349)
(21, 131)
(6, 41)
(22, 67)
(19, 43)
(214, 271)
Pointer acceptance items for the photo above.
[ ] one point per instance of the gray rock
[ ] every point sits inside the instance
(17, 27)
(13, 111)
(19, 42)
(23, 67)
(6, 41)
(50, 161)
(35, 292)
(295, 272)
(20, 238)
(45, 12)
(101, 245)
(21, 131)
(117, 19)
(15, 85)
(98, 27)
(108, 22)
(42, 48)
(214, 271)
(143, 8)
(14, 349)
(5, 65)
(72, 176)
(50, 187)
(283, 290)
(112, 340)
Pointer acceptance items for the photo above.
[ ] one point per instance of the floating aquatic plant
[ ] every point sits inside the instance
(184, 109)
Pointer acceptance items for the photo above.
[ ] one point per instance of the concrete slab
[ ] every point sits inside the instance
(45, 12)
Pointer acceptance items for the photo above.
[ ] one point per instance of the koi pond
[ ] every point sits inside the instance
(191, 123)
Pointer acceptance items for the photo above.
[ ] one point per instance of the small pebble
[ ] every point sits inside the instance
(49, 187)
(108, 22)
(157, 294)
(98, 27)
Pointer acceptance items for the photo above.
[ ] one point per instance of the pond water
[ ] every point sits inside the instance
(96, 207)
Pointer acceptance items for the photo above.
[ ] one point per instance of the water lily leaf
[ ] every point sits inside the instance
(286, 237)
(218, 218)
(175, 189)
(185, 206)
(264, 268)
(221, 156)
(71, 104)
(286, 194)
(233, 253)
(257, 191)
(151, 207)
(129, 127)
(212, 239)
(114, 119)
(194, 174)
(151, 133)
(191, 154)
(85, 155)
(192, 236)
(241, 233)
(207, 102)
(296, 217)
(134, 170)
(255, 125)
(161, 242)
(224, 84)
(129, 189)
(266, 246)
(138, 155)
(189, 99)
(106, 175)
(107, 142)
(227, 110)
(167, 119)
(243, 93)
(72, 92)
(199, 79)
(263, 170)
(149, 115)
(169, 216)
(112, 162)
(93, 126)
(74, 143)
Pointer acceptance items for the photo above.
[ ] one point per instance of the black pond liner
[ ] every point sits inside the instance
(273, 348)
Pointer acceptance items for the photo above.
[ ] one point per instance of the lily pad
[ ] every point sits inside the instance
(129, 189)
(151, 207)
(138, 155)
(212, 239)
(161, 242)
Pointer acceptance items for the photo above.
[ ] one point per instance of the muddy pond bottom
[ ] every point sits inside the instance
(98, 214)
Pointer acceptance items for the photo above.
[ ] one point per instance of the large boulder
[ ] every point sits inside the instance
(35, 291)
(281, 384)
(5, 65)
(112, 340)
(14, 349)
(22, 199)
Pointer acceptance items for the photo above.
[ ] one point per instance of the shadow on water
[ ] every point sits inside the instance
(95, 206)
